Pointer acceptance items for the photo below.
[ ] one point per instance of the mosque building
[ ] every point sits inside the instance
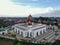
(29, 29)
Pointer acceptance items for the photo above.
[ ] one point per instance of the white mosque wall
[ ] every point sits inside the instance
(24, 33)
(39, 31)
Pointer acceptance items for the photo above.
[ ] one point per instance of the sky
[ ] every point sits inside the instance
(22, 8)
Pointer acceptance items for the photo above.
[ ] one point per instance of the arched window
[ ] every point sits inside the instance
(21, 33)
(31, 34)
(43, 30)
(37, 33)
(27, 34)
(40, 32)
(18, 31)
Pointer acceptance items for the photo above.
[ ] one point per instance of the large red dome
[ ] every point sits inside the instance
(29, 23)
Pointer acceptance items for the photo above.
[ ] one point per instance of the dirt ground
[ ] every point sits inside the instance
(5, 42)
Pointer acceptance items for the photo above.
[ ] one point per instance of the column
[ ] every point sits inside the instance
(29, 34)
(34, 35)
(39, 32)
(24, 34)
(42, 31)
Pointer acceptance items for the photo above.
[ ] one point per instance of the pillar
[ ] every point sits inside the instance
(34, 34)
(24, 34)
(39, 32)
(42, 31)
(29, 34)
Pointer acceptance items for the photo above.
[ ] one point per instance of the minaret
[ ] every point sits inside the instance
(29, 18)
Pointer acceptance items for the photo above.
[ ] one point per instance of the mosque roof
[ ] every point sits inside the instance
(27, 27)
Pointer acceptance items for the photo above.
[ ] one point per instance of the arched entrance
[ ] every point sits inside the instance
(40, 32)
(37, 33)
(27, 34)
(18, 31)
(30, 34)
(21, 33)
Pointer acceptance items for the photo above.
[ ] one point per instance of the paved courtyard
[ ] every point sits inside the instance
(49, 36)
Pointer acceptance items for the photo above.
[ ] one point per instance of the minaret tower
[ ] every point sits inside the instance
(29, 18)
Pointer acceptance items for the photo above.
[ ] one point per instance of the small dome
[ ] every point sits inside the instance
(39, 21)
(20, 21)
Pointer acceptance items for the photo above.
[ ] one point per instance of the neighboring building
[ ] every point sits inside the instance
(3, 30)
(29, 29)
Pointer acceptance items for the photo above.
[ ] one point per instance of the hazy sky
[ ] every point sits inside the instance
(15, 8)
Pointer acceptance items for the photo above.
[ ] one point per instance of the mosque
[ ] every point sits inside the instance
(29, 29)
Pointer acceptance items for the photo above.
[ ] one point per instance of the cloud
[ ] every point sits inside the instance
(54, 13)
(10, 9)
